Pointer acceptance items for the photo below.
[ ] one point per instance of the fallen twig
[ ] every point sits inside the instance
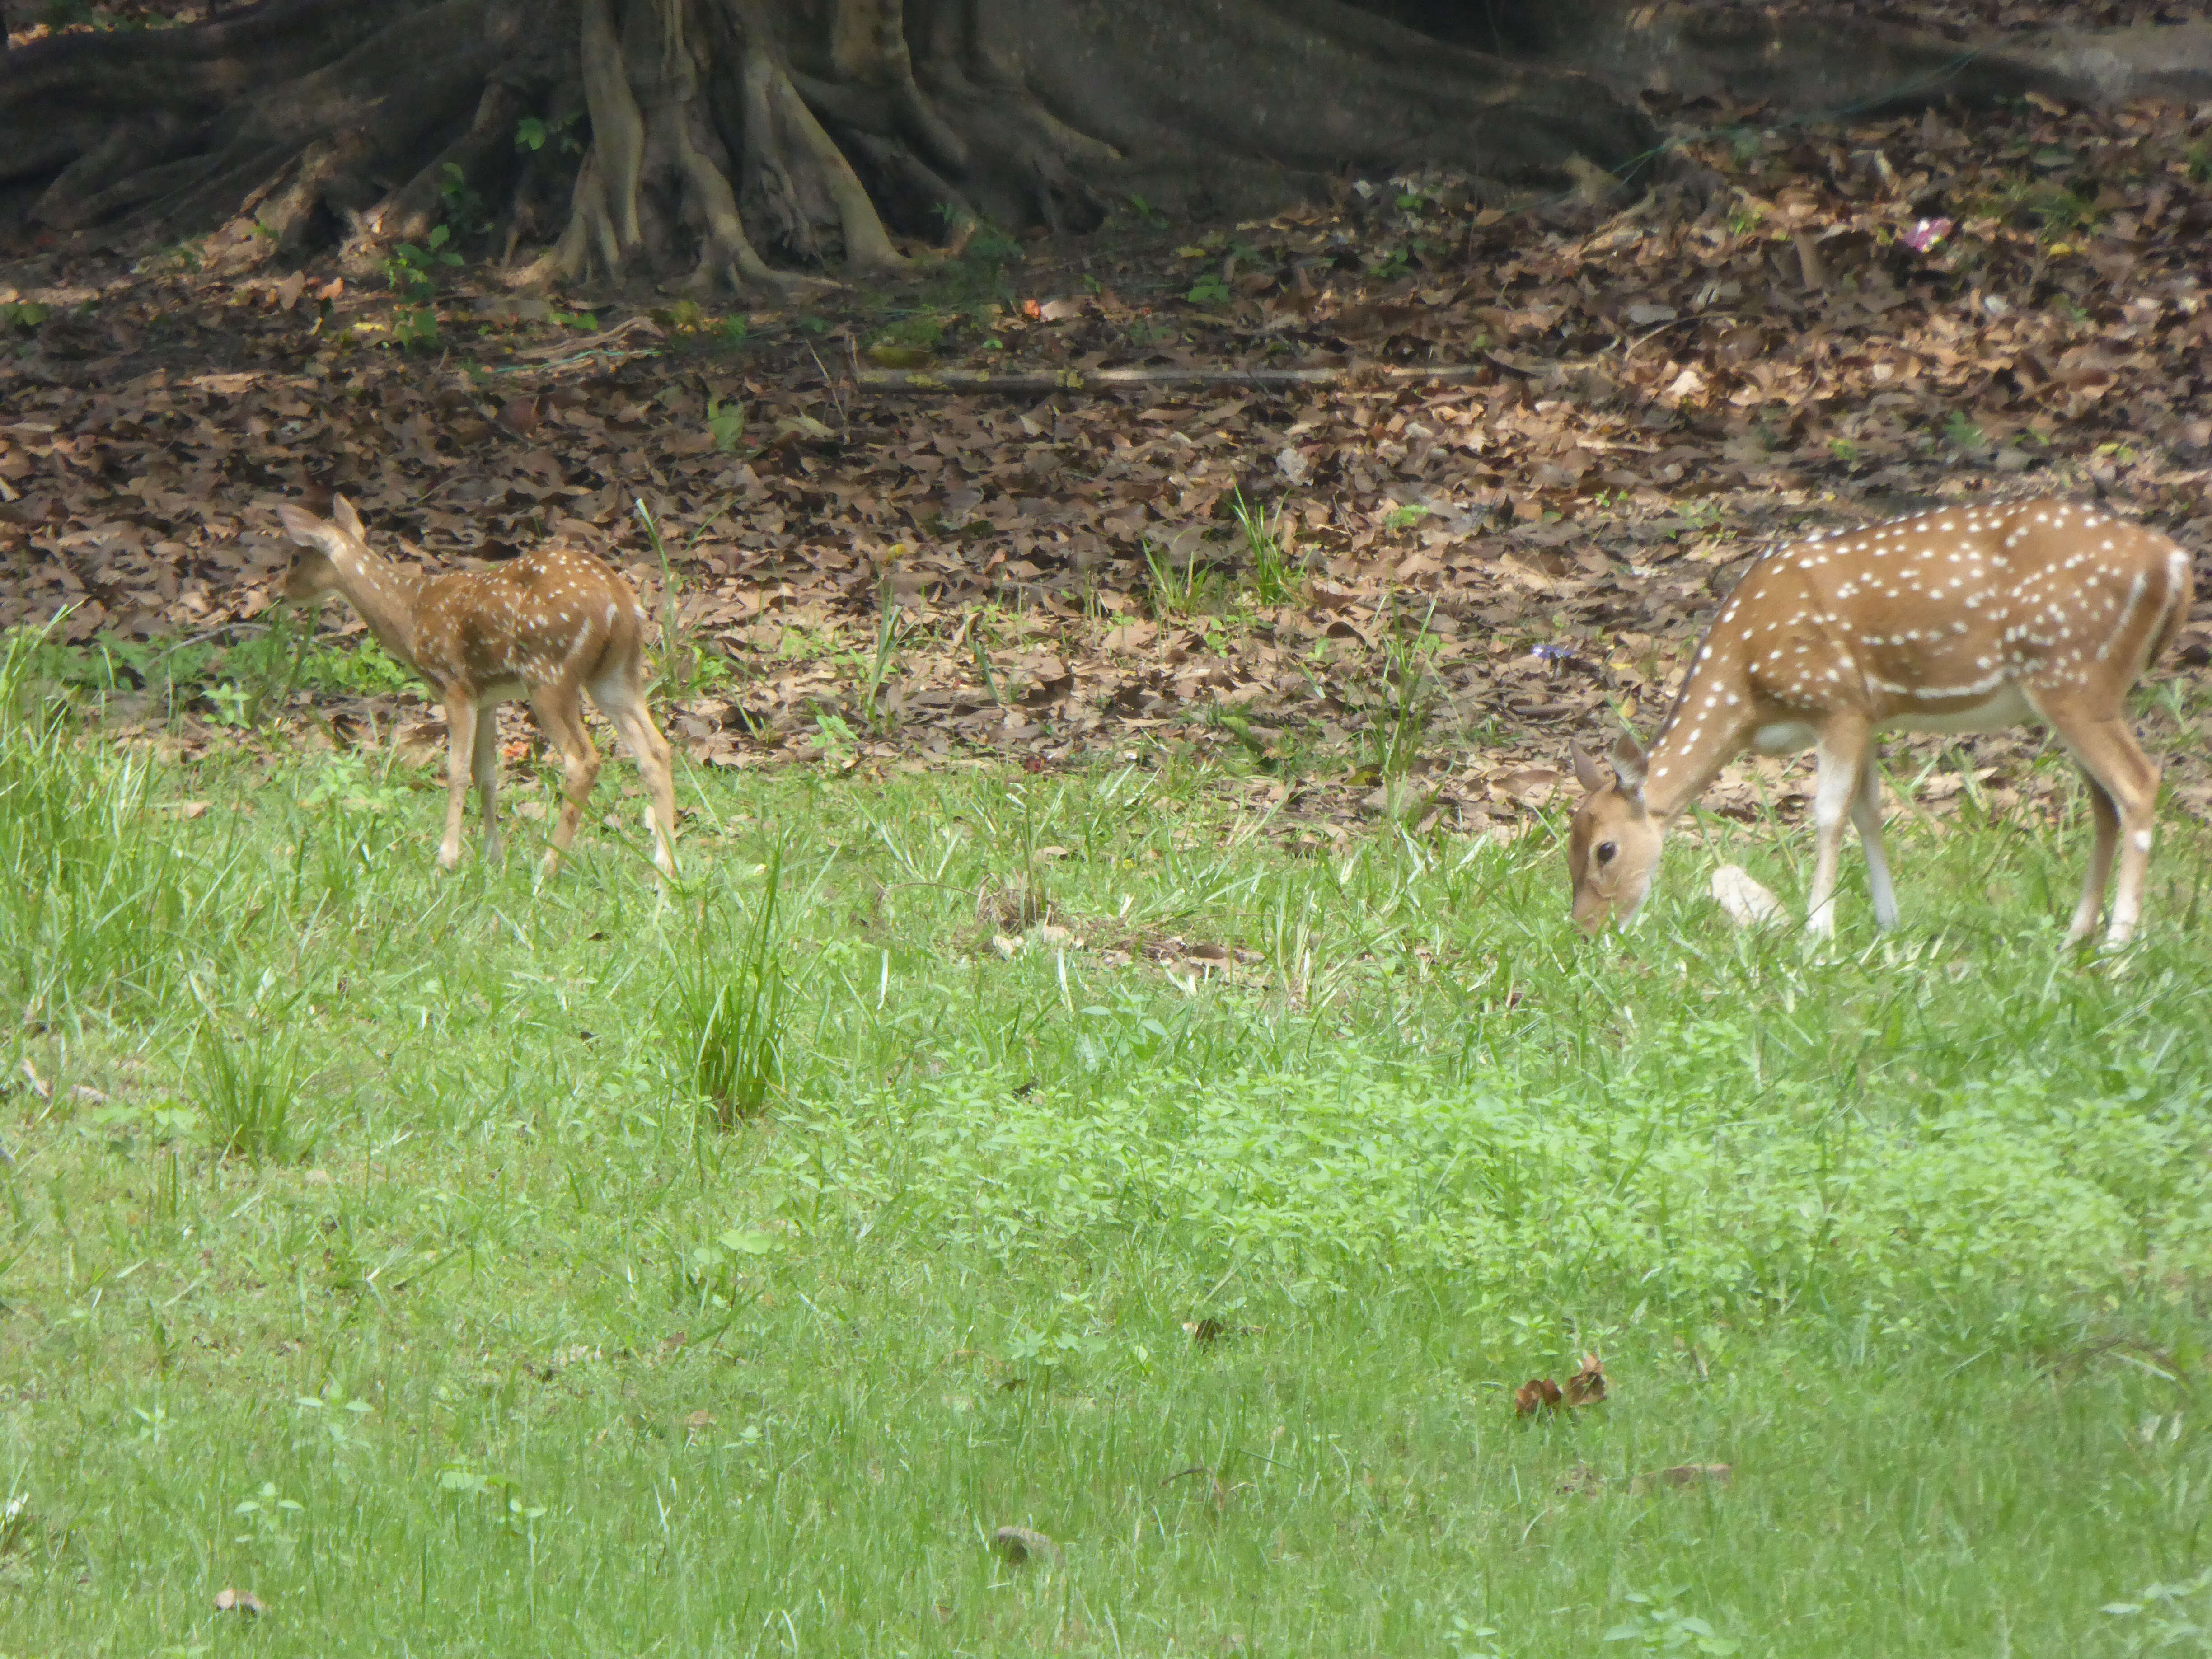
(1170, 377)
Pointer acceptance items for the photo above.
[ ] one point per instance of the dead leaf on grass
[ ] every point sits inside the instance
(1686, 1474)
(1021, 1544)
(1538, 1394)
(237, 1601)
(1586, 1386)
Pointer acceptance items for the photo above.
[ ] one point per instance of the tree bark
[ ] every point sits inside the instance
(712, 144)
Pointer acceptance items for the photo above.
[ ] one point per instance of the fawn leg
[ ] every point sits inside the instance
(562, 718)
(2123, 795)
(2105, 813)
(484, 763)
(460, 743)
(1866, 813)
(1841, 755)
(624, 703)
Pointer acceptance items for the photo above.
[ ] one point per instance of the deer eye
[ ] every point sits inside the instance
(1606, 850)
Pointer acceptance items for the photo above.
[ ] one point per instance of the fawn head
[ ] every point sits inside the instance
(314, 573)
(1613, 845)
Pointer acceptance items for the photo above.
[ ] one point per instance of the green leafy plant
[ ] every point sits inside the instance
(2167, 1618)
(726, 423)
(1657, 1625)
(24, 314)
(532, 134)
(412, 269)
(1960, 432)
(511, 1511)
(711, 1273)
(1209, 290)
(464, 203)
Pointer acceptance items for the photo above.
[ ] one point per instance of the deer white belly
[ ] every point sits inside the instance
(1784, 737)
(2005, 708)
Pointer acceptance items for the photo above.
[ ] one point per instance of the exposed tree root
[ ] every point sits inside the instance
(742, 144)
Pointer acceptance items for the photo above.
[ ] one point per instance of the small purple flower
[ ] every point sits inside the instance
(1552, 653)
(1926, 234)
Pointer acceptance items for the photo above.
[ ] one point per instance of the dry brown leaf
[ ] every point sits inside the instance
(1586, 1386)
(237, 1601)
(1686, 1474)
(1021, 1544)
(1538, 1394)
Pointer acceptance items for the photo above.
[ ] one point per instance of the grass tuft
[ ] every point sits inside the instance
(729, 1002)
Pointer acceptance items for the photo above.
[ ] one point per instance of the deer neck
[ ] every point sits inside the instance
(1709, 725)
(386, 595)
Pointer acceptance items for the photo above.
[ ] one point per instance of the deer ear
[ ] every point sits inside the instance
(1586, 772)
(303, 526)
(346, 518)
(1628, 764)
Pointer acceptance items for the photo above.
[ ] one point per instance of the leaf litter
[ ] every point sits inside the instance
(1367, 598)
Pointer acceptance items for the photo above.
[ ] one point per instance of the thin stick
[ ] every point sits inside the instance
(958, 381)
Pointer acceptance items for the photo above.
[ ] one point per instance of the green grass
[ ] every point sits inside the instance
(484, 1335)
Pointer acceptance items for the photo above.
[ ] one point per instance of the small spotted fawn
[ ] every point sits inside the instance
(1965, 619)
(549, 627)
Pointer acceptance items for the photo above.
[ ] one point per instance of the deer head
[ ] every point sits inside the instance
(1614, 843)
(315, 568)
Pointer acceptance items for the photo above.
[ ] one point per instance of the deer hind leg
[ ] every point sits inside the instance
(2105, 812)
(484, 766)
(1866, 814)
(1842, 754)
(624, 703)
(461, 720)
(2124, 796)
(563, 720)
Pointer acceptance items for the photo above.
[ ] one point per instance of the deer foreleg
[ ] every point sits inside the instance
(1866, 814)
(461, 745)
(484, 759)
(1842, 751)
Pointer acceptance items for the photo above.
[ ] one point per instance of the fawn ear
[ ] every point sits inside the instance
(303, 526)
(1628, 764)
(1586, 772)
(343, 516)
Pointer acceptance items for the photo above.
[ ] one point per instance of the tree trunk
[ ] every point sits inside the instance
(755, 143)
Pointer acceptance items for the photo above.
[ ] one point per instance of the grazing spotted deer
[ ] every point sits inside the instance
(548, 626)
(1965, 619)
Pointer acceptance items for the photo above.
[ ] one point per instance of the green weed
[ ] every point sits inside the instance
(728, 1006)
(246, 1086)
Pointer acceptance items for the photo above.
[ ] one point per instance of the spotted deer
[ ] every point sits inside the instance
(1965, 619)
(548, 626)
